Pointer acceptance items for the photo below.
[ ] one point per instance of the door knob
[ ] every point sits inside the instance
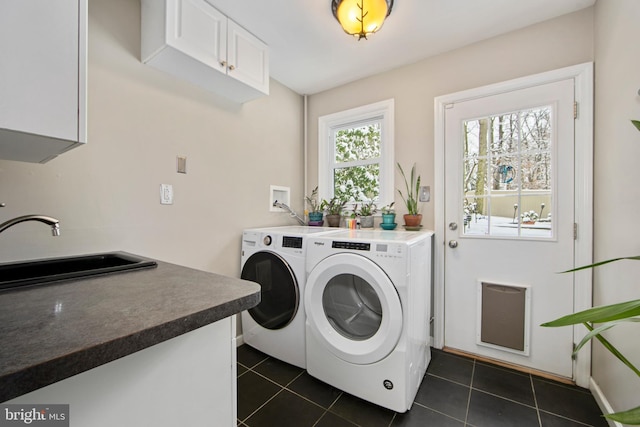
(453, 226)
(453, 244)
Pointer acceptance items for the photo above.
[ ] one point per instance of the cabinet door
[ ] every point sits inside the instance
(248, 58)
(198, 30)
(39, 69)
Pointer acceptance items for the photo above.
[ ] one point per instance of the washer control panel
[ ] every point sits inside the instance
(357, 246)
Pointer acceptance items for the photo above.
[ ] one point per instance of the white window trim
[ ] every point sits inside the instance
(385, 111)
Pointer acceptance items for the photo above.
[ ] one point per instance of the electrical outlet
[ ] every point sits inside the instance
(166, 194)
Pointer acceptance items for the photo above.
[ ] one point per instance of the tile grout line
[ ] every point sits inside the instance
(535, 400)
(466, 415)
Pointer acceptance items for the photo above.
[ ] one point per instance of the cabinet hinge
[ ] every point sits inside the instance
(575, 109)
(575, 231)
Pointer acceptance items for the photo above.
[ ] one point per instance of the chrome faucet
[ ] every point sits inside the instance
(54, 223)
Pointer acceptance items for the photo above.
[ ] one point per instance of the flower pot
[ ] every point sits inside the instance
(412, 220)
(315, 216)
(366, 221)
(333, 220)
(389, 218)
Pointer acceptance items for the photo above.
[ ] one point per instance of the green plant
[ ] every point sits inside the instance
(530, 216)
(335, 206)
(411, 200)
(607, 317)
(314, 204)
(388, 209)
(367, 209)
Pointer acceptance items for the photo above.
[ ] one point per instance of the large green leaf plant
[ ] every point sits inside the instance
(600, 319)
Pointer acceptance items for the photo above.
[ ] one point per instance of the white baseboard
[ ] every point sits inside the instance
(602, 402)
(239, 340)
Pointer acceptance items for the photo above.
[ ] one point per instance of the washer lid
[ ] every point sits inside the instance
(353, 308)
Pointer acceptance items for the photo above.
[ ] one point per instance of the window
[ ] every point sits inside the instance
(355, 154)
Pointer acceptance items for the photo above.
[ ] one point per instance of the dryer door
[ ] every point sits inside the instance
(280, 295)
(353, 308)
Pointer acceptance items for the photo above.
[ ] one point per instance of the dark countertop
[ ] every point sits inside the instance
(53, 332)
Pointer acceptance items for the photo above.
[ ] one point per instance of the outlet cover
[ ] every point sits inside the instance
(166, 194)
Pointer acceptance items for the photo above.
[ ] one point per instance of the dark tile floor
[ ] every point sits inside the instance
(456, 391)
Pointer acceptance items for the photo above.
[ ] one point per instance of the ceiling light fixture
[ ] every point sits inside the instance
(361, 18)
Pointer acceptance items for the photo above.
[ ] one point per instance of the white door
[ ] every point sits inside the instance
(509, 225)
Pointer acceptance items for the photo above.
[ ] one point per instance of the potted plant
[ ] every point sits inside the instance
(388, 217)
(366, 214)
(334, 208)
(529, 217)
(315, 208)
(412, 218)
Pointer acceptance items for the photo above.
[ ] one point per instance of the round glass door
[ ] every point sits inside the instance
(280, 296)
(353, 308)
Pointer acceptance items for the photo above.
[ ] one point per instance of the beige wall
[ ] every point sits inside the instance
(106, 194)
(553, 44)
(617, 195)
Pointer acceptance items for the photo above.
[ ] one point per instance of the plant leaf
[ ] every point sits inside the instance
(630, 417)
(599, 330)
(597, 264)
(636, 123)
(606, 313)
(614, 351)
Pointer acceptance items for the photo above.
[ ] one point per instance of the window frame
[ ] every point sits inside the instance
(330, 123)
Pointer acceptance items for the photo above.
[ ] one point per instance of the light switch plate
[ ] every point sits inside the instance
(181, 164)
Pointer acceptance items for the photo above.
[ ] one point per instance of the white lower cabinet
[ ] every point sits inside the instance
(192, 40)
(43, 51)
(189, 380)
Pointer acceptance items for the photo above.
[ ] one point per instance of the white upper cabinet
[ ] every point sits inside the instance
(43, 65)
(192, 40)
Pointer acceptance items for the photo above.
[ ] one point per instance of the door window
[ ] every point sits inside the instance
(352, 307)
(508, 173)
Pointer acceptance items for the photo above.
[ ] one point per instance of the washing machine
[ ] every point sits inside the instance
(275, 258)
(367, 301)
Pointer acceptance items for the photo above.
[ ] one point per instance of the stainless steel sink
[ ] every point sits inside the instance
(41, 271)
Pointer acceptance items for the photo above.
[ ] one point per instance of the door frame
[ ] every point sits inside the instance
(583, 158)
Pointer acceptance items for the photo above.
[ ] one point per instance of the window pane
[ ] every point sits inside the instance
(504, 213)
(475, 223)
(535, 218)
(357, 143)
(358, 183)
(536, 172)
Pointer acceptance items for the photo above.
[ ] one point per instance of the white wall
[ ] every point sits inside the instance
(106, 194)
(617, 194)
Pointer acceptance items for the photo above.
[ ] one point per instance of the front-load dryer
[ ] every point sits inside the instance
(275, 258)
(367, 302)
